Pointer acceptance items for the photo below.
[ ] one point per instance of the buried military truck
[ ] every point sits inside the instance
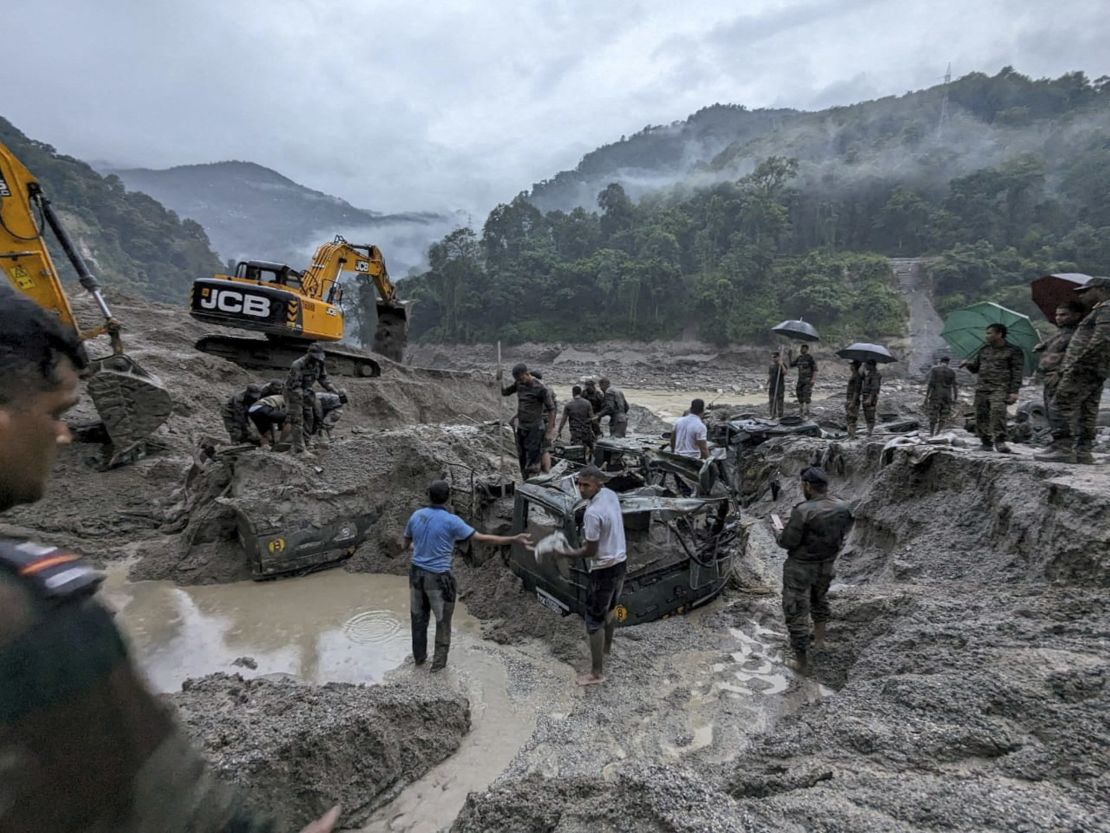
(679, 548)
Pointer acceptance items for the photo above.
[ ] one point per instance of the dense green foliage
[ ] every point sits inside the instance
(803, 235)
(132, 242)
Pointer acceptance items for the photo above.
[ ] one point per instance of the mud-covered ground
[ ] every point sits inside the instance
(965, 685)
(967, 655)
(297, 750)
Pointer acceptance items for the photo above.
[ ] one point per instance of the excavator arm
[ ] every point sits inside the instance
(332, 260)
(131, 402)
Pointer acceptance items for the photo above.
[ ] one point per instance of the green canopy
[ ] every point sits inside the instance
(965, 330)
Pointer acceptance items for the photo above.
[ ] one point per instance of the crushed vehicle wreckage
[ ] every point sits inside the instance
(679, 553)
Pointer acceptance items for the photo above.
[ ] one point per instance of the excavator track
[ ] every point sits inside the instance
(272, 354)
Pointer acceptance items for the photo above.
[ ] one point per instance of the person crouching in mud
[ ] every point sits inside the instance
(606, 556)
(812, 539)
(433, 532)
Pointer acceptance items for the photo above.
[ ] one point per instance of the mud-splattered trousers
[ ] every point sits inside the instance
(432, 594)
(300, 403)
(84, 745)
(1083, 373)
(805, 588)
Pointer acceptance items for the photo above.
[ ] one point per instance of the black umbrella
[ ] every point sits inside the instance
(861, 351)
(796, 330)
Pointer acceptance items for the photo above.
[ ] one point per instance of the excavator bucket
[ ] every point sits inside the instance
(392, 334)
(131, 402)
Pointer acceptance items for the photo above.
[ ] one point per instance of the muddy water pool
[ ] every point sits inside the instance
(328, 627)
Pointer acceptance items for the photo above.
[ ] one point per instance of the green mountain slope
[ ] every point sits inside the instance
(133, 242)
(721, 225)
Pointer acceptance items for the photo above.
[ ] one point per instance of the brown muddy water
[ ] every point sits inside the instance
(328, 627)
(341, 627)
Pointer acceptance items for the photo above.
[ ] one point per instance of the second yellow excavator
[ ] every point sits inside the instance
(293, 309)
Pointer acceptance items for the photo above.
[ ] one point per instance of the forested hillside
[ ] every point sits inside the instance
(134, 243)
(1013, 184)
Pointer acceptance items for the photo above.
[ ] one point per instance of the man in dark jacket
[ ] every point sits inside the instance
(812, 539)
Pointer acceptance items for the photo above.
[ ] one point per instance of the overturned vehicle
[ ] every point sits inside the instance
(679, 548)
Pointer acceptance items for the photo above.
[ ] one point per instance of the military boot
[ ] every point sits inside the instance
(1002, 448)
(986, 445)
(1084, 456)
(1058, 452)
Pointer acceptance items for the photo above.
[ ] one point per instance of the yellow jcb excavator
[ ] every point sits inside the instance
(131, 402)
(293, 309)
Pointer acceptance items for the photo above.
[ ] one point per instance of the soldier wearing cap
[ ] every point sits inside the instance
(812, 539)
(807, 375)
(535, 418)
(304, 373)
(1083, 372)
(235, 412)
(940, 395)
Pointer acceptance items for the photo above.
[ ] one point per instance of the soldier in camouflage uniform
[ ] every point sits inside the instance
(1052, 351)
(812, 539)
(84, 746)
(999, 365)
(580, 414)
(1082, 374)
(870, 385)
(776, 386)
(807, 374)
(855, 392)
(614, 406)
(596, 399)
(235, 414)
(940, 395)
(304, 373)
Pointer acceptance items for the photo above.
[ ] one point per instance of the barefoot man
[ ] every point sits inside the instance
(604, 551)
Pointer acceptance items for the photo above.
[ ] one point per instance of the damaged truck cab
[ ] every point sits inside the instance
(679, 548)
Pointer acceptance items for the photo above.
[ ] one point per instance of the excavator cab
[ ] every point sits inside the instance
(131, 402)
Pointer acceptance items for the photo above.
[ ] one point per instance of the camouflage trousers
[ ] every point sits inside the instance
(300, 414)
(805, 587)
(1074, 412)
(990, 415)
(804, 392)
(432, 594)
(939, 412)
(618, 425)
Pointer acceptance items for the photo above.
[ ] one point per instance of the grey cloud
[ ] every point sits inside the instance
(463, 104)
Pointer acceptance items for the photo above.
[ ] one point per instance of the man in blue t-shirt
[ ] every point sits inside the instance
(433, 532)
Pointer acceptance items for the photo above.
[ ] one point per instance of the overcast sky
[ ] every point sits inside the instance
(459, 104)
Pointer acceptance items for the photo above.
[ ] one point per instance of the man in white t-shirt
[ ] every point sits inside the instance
(606, 556)
(690, 437)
